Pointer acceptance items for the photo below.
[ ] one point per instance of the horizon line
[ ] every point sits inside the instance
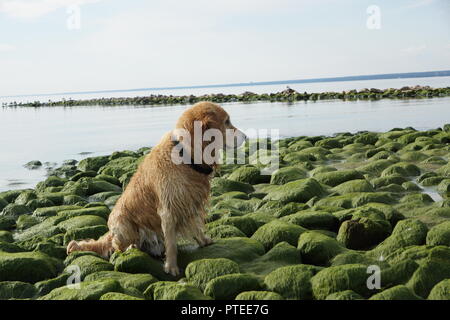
(403, 75)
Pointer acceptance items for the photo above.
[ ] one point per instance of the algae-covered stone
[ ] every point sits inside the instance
(16, 290)
(358, 185)
(344, 295)
(53, 211)
(100, 211)
(165, 290)
(25, 196)
(237, 249)
(225, 231)
(289, 208)
(287, 174)
(81, 221)
(258, 295)
(228, 286)
(249, 174)
(431, 271)
(340, 278)
(92, 163)
(200, 272)
(6, 236)
(118, 296)
(440, 291)
(87, 290)
(439, 234)
(404, 169)
(91, 232)
(136, 261)
(292, 282)
(399, 292)
(335, 178)
(247, 225)
(26, 221)
(406, 233)
(318, 249)
(353, 200)
(277, 231)
(15, 210)
(220, 186)
(90, 264)
(444, 186)
(296, 191)
(387, 180)
(27, 266)
(7, 223)
(363, 233)
(313, 220)
(139, 281)
(45, 286)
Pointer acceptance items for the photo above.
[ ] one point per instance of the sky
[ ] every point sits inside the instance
(51, 46)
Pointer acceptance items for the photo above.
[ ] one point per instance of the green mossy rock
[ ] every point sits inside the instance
(290, 208)
(431, 271)
(287, 174)
(313, 220)
(45, 286)
(282, 254)
(296, 191)
(375, 167)
(91, 232)
(399, 292)
(344, 295)
(249, 174)
(136, 261)
(277, 231)
(118, 296)
(81, 221)
(403, 169)
(258, 295)
(25, 196)
(292, 282)
(15, 210)
(6, 236)
(247, 225)
(439, 235)
(228, 286)
(353, 200)
(118, 167)
(54, 210)
(224, 231)
(318, 249)
(335, 178)
(26, 221)
(387, 180)
(92, 163)
(139, 281)
(27, 266)
(406, 233)
(90, 264)
(358, 185)
(220, 186)
(88, 290)
(238, 250)
(340, 278)
(166, 290)
(10, 247)
(441, 291)
(363, 233)
(200, 272)
(16, 290)
(100, 211)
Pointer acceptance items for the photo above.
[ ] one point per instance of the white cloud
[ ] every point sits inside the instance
(26, 9)
(5, 47)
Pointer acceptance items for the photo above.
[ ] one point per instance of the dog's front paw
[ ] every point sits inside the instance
(131, 246)
(172, 269)
(73, 246)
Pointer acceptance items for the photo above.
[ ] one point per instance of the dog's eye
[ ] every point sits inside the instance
(227, 122)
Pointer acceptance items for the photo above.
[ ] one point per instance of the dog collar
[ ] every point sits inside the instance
(200, 168)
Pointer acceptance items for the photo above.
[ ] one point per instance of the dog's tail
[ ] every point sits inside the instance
(103, 246)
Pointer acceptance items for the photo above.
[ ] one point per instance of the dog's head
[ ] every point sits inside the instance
(207, 125)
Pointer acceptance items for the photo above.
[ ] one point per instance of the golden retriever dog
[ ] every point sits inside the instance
(164, 199)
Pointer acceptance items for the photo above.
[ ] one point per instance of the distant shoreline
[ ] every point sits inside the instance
(384, 76)
(288, 95)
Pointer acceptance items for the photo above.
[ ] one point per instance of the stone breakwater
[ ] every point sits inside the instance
(288, 95)
(336, 206)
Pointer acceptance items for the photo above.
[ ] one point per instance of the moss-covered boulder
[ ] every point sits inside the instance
(249, 174)
(258, 295)
(200, 272)
(16, 290)
(318, 249)
(440, 291)
(363, 233)
(439, 234)
(6, 236)
(358, 185)
(296, 191)
(81, 221)
(90, 264)
(246, 224)
(220, 186)
(311, 219)
(335, 178)
(118, 296)
(92, 163)
(292, 282)
(344, 295)
(136, 261)
(139, 281)
(287, 174)
(340, 278)
(224, 231)
(228, 286)
(278, 231)
(7, 223)
(88, 290)
(166, 290)
(399, 292)
(27, 266)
